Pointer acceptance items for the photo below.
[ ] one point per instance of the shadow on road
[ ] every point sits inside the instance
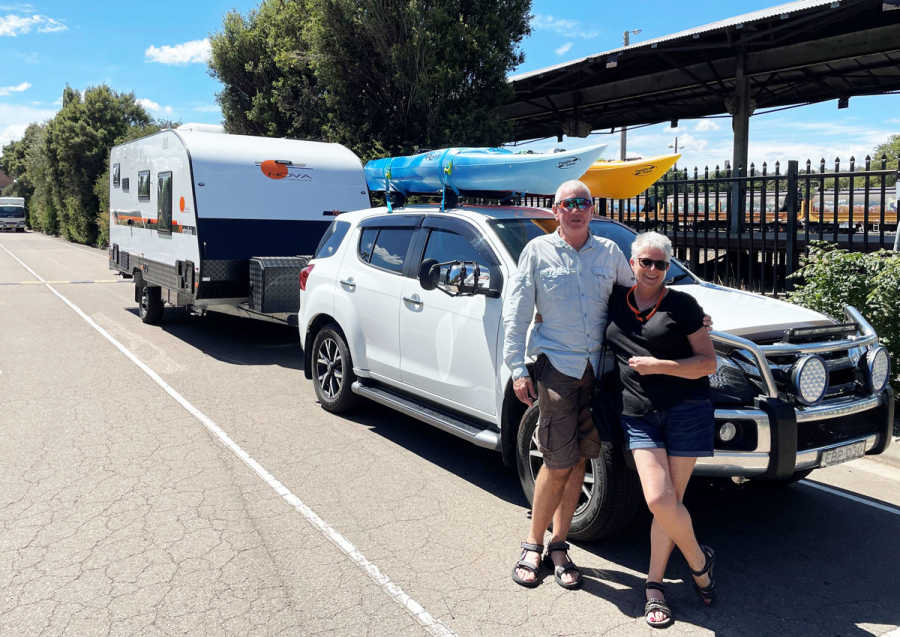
(235, 340)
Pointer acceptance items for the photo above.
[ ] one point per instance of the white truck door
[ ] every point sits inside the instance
(448, 344)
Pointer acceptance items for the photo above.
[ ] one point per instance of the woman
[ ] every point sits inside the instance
(664, 355)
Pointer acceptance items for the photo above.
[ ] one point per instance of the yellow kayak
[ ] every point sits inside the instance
(625, 179)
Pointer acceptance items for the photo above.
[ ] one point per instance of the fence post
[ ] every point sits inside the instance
(792, 205)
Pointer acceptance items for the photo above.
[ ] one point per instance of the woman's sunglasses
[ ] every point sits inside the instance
(574, 202)
(660, 265)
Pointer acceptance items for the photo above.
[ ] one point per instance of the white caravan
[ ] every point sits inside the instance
(206, 220)
(12, 213)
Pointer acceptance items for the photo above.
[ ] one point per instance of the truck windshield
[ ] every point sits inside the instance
(11, 211)
(515, 233)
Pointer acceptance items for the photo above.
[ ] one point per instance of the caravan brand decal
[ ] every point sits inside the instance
(279, 169)
(646, 170)
(568, 163)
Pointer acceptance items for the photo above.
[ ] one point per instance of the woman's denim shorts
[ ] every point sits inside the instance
(684, 430)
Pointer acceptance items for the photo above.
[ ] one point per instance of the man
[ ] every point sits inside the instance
(567, 276)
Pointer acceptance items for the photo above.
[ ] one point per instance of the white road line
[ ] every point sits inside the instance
(826, 489)
(413, 607)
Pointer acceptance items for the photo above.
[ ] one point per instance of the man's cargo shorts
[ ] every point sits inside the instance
(565, 425)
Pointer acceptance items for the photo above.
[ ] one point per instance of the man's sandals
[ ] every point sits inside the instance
(533, 568)
(562, 569)
(657, 606)
(707, 594)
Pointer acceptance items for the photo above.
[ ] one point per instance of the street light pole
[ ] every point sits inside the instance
(675, 151)
(626, 37)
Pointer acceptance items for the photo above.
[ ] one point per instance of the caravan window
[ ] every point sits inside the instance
(125, 184)
(143, 185)
(164, 203)
(115, 175)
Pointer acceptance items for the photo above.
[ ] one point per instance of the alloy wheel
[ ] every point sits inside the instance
(329, 368)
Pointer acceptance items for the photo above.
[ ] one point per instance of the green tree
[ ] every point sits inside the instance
(264, 62)
(402, 75)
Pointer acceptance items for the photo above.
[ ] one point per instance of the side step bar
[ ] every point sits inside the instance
(481, 437)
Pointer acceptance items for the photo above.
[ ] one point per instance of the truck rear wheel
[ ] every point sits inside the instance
(332, 370)
(611, 495)
(150, 306)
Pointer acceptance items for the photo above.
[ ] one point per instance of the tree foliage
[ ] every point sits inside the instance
(263, 61)
(380, 76)
(56, 165)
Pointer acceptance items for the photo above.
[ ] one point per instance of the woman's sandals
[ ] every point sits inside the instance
(657, 606)
(567, 567)
(528, 566)
(706, 593)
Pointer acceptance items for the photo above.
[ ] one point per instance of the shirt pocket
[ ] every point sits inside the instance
(554, 283)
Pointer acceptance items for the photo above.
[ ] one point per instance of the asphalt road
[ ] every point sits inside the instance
(185, 481)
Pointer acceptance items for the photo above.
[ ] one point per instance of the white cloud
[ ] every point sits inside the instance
(13, 25)
(17, 118)
(154, 107)
(193, 52)
(706, 125)
(18, 88)
(574, 28)
(564, 48)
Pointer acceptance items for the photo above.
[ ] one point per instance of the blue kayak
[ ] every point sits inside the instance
(479, 170)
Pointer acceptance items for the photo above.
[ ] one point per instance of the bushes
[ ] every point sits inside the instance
(830, 278)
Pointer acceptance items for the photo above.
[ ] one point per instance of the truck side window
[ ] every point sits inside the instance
(331, 240)
(446, 246)
(143, 185)
(164, 203)
(366, 243)
(390, 248)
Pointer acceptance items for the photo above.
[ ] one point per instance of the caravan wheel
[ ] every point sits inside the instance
(150, 307)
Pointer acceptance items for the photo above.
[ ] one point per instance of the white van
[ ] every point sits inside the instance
(196, 216)
(12, 213)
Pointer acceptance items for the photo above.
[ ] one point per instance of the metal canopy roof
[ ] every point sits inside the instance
(806, 51)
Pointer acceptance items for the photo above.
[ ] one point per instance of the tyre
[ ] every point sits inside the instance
(611, 496)
(332, 370)
(150, 306)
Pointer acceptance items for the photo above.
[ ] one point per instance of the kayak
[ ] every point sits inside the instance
(479, 170)
(625, 179)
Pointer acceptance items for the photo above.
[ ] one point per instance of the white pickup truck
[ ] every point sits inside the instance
(404, 308)
(12, 213)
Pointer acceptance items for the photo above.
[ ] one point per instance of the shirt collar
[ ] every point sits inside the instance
(559, 241)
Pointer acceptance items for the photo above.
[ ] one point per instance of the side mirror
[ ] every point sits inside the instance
(458, 278)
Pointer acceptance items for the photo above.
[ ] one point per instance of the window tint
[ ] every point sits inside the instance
(143, 184)
(445, 246)
(366, 243)
(115, 175)
(390, 248)
(331, 240)
(164, 202)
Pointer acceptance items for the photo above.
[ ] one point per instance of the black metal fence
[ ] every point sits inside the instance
(748, 231)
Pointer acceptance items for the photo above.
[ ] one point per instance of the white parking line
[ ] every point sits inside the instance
(413, 607)
(876, 505)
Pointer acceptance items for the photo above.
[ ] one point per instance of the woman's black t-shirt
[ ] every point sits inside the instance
(664, 336)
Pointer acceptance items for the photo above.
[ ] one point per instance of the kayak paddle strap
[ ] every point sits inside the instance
(387, 185)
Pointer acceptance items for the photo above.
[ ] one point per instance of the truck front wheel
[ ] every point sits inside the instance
(332, 370)
(150, 305)
(611, 495)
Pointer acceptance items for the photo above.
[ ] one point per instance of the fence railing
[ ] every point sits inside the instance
(748, 230)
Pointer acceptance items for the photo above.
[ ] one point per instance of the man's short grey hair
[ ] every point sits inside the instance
(652, 240)
(579, 187)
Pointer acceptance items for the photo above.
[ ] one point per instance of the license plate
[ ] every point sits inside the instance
(843, 454)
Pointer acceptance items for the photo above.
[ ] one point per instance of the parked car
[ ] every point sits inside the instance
(404, 308)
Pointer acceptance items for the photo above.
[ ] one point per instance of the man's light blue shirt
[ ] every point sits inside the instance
(570, 289)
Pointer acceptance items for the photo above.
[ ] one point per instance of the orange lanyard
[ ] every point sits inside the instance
(637, 312)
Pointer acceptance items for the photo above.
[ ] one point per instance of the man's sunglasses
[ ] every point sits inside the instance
(575, 202)
(660, 265)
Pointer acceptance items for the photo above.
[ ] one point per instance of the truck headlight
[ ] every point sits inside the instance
(878, 367)
(810, 378)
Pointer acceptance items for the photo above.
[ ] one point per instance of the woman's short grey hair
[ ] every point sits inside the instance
(652, 240)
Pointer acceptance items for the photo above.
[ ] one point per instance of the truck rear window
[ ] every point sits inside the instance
(332, 238)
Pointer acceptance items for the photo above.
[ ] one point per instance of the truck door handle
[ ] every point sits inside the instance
(413, 301)
(349, 283)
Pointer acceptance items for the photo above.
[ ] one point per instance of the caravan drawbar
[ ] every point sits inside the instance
(208, 220)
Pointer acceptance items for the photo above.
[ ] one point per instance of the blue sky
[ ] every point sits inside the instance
(159, 51)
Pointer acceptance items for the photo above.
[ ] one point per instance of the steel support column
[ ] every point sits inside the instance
(740, 124)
